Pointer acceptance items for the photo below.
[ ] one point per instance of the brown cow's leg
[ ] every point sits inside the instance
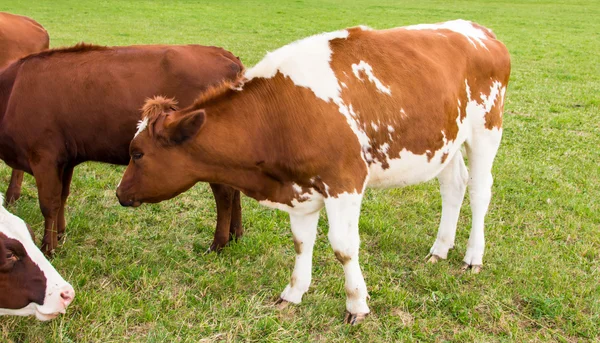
(66, 186)
(224, 198)
(13, 193)
(236, 230)
(48, 179)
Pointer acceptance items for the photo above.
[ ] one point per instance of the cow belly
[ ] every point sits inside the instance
(410, 169)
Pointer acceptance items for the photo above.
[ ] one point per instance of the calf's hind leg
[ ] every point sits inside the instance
(481, 152)
(453, 183)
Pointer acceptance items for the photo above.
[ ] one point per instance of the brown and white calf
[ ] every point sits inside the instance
(29, 285)
(318, 121)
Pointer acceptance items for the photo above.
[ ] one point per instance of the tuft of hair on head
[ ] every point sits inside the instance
(157, 105)
(152, 110)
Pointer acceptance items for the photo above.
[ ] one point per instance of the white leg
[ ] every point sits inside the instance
(304, 229)
(453, 183)
(481, 155)
(343, 213)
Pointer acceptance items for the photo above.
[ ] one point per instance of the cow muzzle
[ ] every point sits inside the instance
(126, 201)
(56, 302)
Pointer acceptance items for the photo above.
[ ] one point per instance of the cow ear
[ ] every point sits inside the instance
(185, 127)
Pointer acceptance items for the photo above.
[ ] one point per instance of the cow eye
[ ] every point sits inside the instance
(137, 155)
(11, 256)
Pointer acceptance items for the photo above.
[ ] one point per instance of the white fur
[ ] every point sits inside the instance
(343, 212)
(453, 183)
(13, 227)
(368, 70)
(306, 63)
(351, 118)
(304, 229)
(141, 126)
(474, 35)
(305, 203)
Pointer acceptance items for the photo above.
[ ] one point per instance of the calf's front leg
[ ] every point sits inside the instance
(343, 213)
(304, 230)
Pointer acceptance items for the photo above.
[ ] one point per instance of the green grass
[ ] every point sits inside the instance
(141, 275)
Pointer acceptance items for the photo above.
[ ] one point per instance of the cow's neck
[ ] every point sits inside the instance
(248, 145)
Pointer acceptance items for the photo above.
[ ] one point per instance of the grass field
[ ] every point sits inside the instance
(141, 275)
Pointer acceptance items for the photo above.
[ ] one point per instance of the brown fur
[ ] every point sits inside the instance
(218, 91)
(271, 118)
(65, 106)
(19, 37)
(342, 258)
(21, 280)
(154, 107)
(78, 48)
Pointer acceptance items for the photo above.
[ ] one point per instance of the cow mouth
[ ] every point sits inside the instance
(47, 316)
(130, 203)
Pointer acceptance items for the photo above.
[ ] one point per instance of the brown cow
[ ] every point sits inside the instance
(63, 107)
(19, 37)
(29, 285)
(319, 120)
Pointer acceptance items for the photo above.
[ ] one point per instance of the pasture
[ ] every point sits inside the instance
(141, 275)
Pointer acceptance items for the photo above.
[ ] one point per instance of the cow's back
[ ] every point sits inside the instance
(396, 99)
(409, 89)
(20, 36)
(84, 101)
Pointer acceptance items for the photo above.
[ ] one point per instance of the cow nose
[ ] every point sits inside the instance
(126, 203)
(122, 200)
(67, 295)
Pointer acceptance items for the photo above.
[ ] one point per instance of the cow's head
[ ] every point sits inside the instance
(160, 167)
(29, 285)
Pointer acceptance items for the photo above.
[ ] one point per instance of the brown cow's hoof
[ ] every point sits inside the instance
(432, 258)
(215, 247)
(281, 303)
(475, 269)
(354, 319)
